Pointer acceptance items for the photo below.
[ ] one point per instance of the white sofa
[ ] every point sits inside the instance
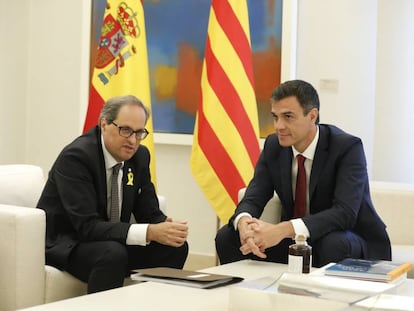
(394, 202)
(25, 280)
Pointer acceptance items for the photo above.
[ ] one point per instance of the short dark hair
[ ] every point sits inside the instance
(112, 106)
(305, 93)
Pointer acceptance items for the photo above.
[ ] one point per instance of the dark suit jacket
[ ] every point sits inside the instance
(338, 192)
(75, 198)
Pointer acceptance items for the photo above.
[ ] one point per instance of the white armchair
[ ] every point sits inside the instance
(25, 280)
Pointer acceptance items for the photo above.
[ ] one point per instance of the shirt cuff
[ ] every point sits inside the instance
(300, 227)
(137, 235)
(236, 220)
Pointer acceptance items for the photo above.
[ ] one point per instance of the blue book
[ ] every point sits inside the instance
(372, 270)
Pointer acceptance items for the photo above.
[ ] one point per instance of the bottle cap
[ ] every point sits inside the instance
(300, 238)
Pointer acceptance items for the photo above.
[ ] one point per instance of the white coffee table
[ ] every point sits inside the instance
(158, 296)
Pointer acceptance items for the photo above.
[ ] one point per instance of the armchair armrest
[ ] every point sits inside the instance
(163, 207)
(163, 203)
(272, 211)
(22, 260)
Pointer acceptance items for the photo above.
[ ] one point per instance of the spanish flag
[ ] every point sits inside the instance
(226, 134)
(121, 64)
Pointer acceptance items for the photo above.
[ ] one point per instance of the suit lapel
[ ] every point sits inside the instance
(286, 175)
(129, 181)
(319, 160)
(101, 173)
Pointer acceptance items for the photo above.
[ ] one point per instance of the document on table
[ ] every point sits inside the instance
(184, 277)
(328, 287)
(384, 302)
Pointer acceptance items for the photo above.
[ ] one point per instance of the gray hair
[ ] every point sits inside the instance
(112, 106)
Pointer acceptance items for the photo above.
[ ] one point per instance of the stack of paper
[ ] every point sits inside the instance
(332, 288)
(387, 302)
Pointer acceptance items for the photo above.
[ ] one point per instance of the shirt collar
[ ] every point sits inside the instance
(309, 152)
(109, 159)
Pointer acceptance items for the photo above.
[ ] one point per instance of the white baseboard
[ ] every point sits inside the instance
(197, 261)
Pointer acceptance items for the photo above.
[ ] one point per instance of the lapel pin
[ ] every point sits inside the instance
(130, 178)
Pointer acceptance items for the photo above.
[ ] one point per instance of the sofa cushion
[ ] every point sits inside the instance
(61, 285)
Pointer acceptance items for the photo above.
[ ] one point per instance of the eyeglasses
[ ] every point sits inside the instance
(127, 132)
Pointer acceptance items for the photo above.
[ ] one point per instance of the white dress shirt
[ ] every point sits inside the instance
(309, 153)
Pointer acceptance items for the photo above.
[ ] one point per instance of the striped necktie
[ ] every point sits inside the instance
(114, 213)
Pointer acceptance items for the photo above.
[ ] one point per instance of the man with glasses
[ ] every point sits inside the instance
(94, 187)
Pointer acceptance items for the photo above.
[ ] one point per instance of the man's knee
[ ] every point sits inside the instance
(102, 264)
(336, 246)
(181, 255)
(113, 253)
(226, 237)
(158, 255)
(228, 245)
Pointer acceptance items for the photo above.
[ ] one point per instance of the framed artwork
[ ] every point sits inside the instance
(176, 33)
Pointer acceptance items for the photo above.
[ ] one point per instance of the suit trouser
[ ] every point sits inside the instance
(333, 247)
(105, 264)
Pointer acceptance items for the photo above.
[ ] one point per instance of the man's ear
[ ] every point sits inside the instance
(103, 124)
(314, 114)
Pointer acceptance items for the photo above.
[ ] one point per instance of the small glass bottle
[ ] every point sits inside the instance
(300, 256)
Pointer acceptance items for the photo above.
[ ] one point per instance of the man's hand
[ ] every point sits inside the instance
(247, 228)
(257, 235)
(168, 233)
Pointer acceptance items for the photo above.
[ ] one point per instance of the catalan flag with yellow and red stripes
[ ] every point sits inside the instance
(121, 64)
(226, 134)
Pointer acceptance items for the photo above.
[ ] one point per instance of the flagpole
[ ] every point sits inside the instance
(218, 223)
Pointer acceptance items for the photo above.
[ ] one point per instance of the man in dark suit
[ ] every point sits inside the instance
(338, 217)
(84, 234)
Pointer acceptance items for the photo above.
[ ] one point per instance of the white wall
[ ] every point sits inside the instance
(337, 44)
(58, 65)
(394, 114)
(43, 89)
(184, 197)
(14, 23)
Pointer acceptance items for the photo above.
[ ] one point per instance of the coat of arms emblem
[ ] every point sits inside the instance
(114, 48)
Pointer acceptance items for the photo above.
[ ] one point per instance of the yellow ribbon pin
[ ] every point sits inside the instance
(130, 178)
